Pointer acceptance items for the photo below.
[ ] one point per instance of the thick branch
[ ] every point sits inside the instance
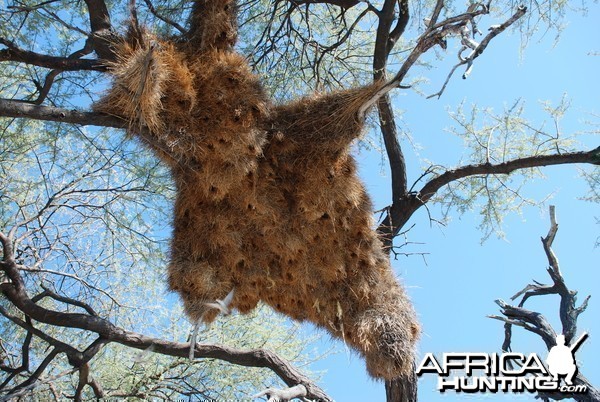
(85, 378)
(435, 14)
(16, 54)
(401, 24)
(401, 389)
(530, 320)
(592, 157)
(412, 202)
(108, 332)
(101, 29)
(11, 108)
(384, 42)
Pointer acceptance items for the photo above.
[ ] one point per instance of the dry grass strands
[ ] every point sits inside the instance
(268, 199)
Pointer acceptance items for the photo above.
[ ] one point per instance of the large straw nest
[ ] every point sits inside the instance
(269, 202)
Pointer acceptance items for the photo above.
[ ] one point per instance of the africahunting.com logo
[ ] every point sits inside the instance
(506, 372)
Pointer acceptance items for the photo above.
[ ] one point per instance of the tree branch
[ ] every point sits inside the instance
(12, 108)
(411, 202)
(75, 357)
(44, 90)
(28, 388)
(102, 34)
(402, 389)
(169, 21)
(274, 394)
(85, 378)
(537, 323)
(435, 14)
(479, 48)
(521, 10)
(67, 300)
(13, 371)
(530, 320)
(384, 42)
(108, 332)
(16, 54)
(33, 378)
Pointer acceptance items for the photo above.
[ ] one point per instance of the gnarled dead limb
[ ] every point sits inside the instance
(537, 323)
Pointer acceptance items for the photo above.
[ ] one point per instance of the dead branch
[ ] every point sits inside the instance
(282, 395)
(479, 48)
(530, 320)
(537, 323)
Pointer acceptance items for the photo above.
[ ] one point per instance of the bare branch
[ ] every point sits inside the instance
(530, 320)
(282, 395)
(537, 323)
(14, 53)
(478, 50)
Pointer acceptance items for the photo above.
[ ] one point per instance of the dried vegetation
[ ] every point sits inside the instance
(268, 199)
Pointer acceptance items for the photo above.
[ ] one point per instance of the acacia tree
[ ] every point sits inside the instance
(55, 57)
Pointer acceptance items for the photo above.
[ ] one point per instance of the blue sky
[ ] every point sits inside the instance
(455, 290)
